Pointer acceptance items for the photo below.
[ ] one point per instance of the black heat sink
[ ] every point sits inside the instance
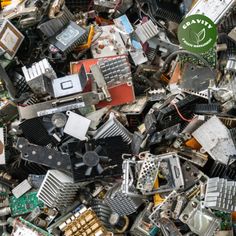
(213, 108)
(35, 131)
(228, 23)
(78, 5)
(222, 171)
(22, 169)
(168, 116)
(163, 9)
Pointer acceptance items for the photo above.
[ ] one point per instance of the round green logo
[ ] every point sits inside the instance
(197, 33)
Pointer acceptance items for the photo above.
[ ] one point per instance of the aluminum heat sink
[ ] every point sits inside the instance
(120, 203)
(113, 128)
(147, 31)
(57, 190)
(115, 70)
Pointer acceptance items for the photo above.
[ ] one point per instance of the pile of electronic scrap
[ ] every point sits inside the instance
(110, 126)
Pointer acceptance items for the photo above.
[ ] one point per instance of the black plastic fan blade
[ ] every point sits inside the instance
(78, 165)
(88, 172)
(99, 168)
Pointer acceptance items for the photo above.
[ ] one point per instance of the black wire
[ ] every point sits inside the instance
(179, 52)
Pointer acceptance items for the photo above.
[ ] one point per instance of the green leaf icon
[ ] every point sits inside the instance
(200, 36)
(197, 37)
(193, 36)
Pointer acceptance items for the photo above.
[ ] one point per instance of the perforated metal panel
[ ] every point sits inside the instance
(148, 173)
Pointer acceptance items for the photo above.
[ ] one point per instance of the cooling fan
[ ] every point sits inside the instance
(97, 158)
(91, 159)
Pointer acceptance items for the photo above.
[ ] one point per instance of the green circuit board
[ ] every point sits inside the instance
(226, 218)
(24, 227)
(25, 203)
(210, 57)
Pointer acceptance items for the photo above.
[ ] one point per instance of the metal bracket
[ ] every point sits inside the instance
(60, 105)
(43, 155)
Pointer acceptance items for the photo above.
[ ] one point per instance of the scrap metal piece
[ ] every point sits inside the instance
(37, 76)
(108, 35)
(113, 128)
(157, 94)
(2, 147)
(216, 140)
(164, 135)
(214, 9)
(193, 156)
(232, 34)
(28, 12)
(127, 91)
(220, 195)
(69, 38)
(147, 31)
(168, 116)
(57, 190)
(41, 135)
(7, 81)
(164, 210)
(100, 80)
(168, 166)
(148, 173)
(102, 211)
(120, 202)
(60, 105)
(169, 228)
(136, 108)
(77, 125)
(136, 144)
(96, 117)
(142, 225)
(70, 84)
(35, 180)
(191, 174)
(170, 169)
(163, 43)
(181, 202)
(195, 78)
(170, 11)
(55, 9)
(84, 221)
(10, 38)
(222, 171)
(43, 155)
(196, 122)
(200, 221)
(231, 65)
(115, 70)
(21, 188)
(127, 186)
(111, 5)
(51, 27)
(126, 88)
(8, 111)
(212, 108)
